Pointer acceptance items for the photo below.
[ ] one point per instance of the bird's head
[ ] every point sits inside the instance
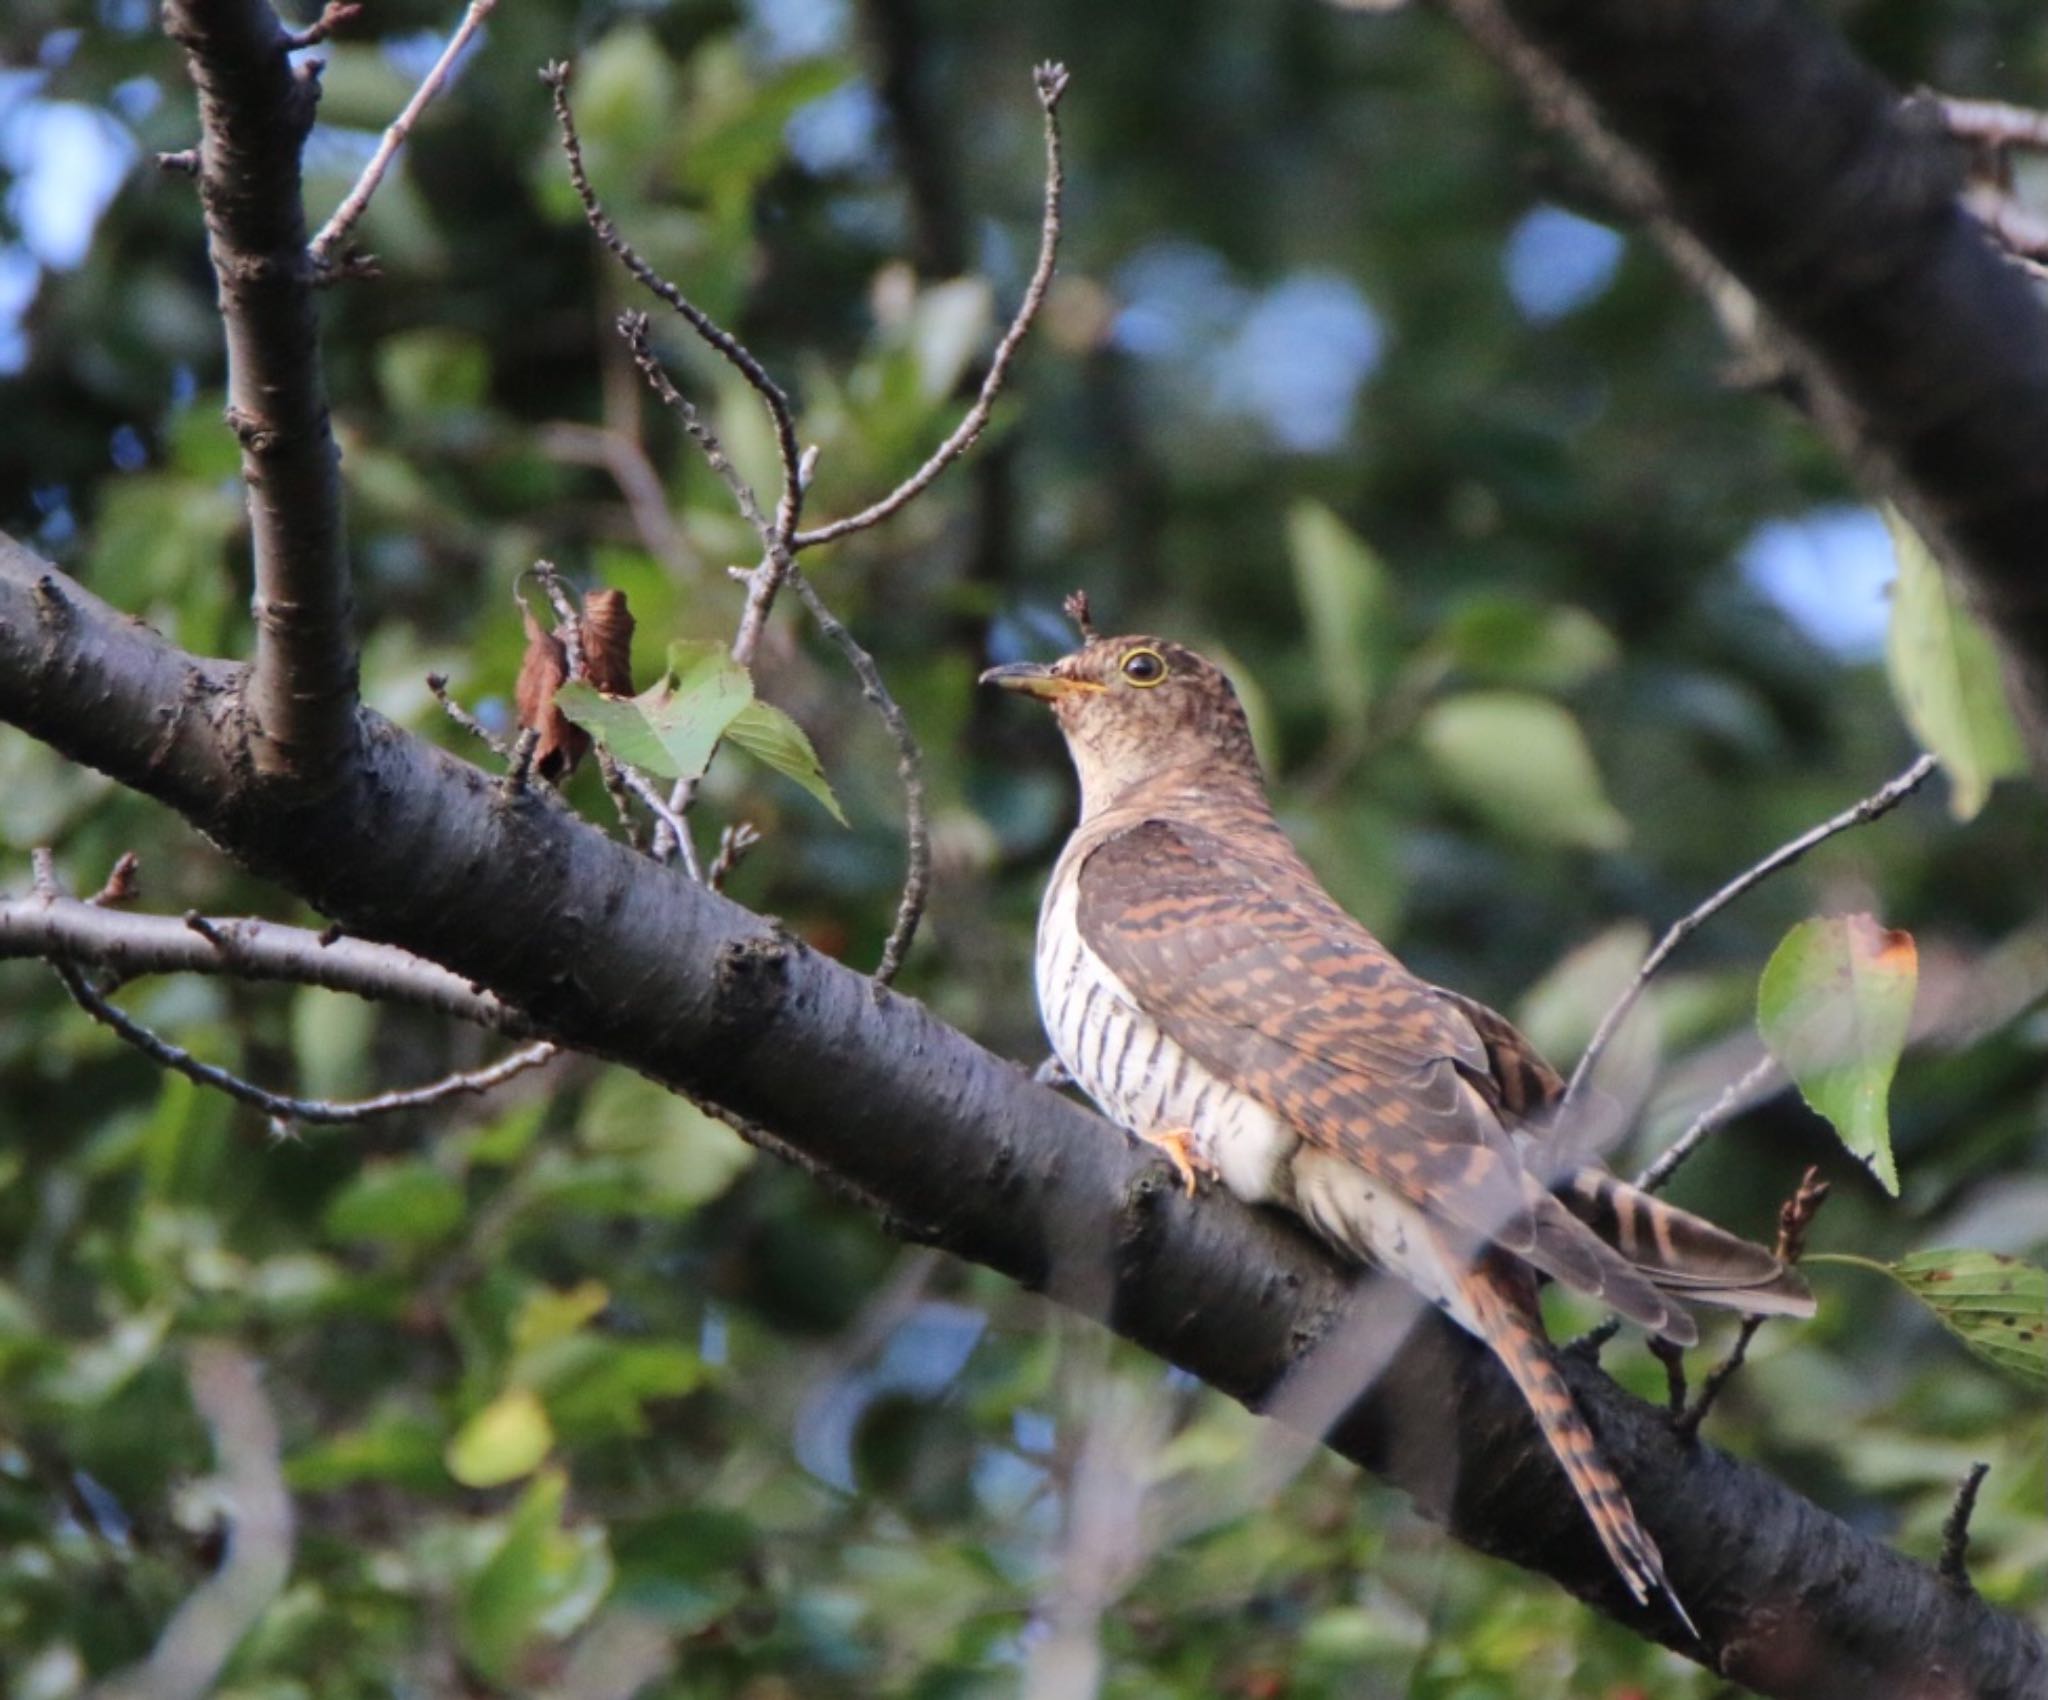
(1136, 709)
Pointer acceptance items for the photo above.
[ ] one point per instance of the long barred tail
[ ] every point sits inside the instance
(1517, 1339)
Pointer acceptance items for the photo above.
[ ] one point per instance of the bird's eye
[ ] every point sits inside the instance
(1144, 667)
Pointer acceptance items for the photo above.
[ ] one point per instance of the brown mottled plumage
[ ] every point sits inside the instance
(1202, 987)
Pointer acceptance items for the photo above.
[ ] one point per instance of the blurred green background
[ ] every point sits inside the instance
(1548, 628)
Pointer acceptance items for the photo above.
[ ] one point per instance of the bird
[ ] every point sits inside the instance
(1203, 989)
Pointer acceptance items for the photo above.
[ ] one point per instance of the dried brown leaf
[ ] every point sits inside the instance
(608, 642)
(542, 672)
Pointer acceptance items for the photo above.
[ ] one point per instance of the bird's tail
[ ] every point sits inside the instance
(1517, 1339)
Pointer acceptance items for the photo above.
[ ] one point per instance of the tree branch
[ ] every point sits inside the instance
(1834, 203)
(132, 946)
(618, 955)
(255, 111)
(357, 201)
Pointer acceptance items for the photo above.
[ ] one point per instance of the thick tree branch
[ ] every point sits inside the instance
(255, 110)
(623, 957)
(1834, 203)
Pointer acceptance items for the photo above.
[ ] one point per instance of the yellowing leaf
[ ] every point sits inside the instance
(1833, 1007)
(1521, 763)
(548, 1314)
(507, 1439)
(771, 737)
(1996, 1305)
(1347, 598)
(1945, 676)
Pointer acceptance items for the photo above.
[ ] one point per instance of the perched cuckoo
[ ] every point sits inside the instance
(1200, 985)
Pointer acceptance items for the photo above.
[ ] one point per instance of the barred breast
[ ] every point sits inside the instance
(1140, 1078)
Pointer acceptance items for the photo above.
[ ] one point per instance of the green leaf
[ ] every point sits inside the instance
(1347, 598)
(540, 1580)
(397, 1203)
(1945, 676)
(1509, 640)
(673, 727)
(1833, 1006)
(394, 1446)
(1521, 763)
(433, 371)
(679, 1157)
(1996, 1305)
(771, 737)
(505, 1440)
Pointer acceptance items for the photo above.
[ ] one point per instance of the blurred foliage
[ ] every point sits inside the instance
(1343, 380)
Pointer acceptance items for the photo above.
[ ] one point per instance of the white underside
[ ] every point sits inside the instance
(1147, 1084)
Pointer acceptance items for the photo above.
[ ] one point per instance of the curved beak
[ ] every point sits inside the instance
(1035, 679)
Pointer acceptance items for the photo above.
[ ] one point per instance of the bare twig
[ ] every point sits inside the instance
(733, 844)
(909, 768)
(1881, 801)
(227, 1391)
(120, 887)
(130, 946)
(1955, 1530)
(332, 16)
(1795, 1217)
(438, 684)
(357, 200)
(277, 1105)
(671, 819)
(722, 342)
(1051, 81)
(1735, 1097)
(780, 539)
(633, 327)
(1993, 123)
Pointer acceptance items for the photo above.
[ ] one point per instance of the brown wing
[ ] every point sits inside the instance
(1250, 966)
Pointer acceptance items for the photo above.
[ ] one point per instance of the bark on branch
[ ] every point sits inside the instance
(1835, 203)
(625, 958)
(255, 109)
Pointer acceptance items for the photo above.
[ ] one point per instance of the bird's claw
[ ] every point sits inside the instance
(1192, 1167)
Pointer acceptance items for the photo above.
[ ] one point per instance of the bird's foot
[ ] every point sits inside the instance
(1192, 1167)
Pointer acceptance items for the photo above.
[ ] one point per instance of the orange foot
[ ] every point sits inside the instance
(1189, 1163)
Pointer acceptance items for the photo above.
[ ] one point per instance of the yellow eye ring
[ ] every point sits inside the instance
(1144, 668)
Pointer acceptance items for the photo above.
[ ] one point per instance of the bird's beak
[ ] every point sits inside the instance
(1035, 679)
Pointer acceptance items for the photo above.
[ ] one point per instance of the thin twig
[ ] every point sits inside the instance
(1955, 1530)
(1051, 81)
(1881, 801)
(332, 16)
(353, 205)
(726, 345)
(129, 946)
(672, 820)
(279, 1106)
(1795, 1217)
(1994, 123)
(438, 684)
(733, 844)
(909, 768)
(633, 326)
(1735, 1097)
